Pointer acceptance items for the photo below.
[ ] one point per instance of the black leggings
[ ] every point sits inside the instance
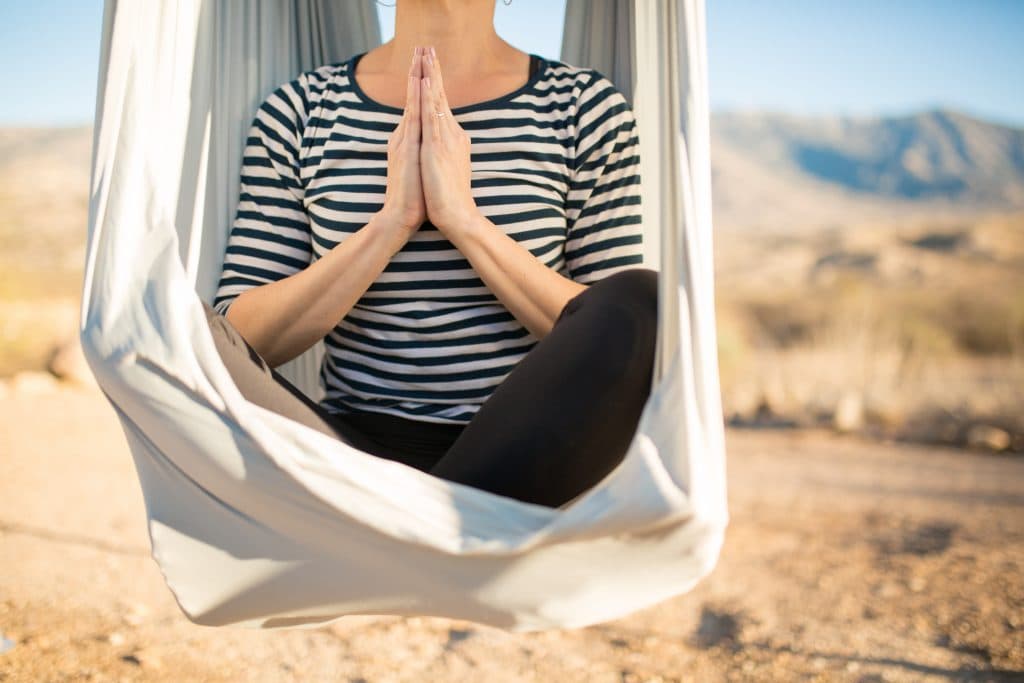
(558, 423)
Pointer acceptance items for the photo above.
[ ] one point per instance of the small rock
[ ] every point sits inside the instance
(143, 657)
(988, 437)
(849, 414)
(136, 614)
(68, 363)
(30, 383)
(6, 644)
(116, 639)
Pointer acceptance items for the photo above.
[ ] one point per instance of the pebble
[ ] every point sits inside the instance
(6, 644)
(31, 382)
(136, 614)
(988, 437)
(143, 657)
(68, 363)
(849, 414)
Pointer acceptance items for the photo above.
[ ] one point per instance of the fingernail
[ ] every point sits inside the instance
(432, 53)
(426, 81)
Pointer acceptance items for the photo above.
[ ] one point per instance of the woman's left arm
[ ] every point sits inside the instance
(534, 293)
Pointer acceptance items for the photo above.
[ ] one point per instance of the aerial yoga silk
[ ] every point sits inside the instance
(259, 521)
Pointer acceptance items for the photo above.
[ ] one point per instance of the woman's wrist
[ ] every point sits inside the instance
(388, 228)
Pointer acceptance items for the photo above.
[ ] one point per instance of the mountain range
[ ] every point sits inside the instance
(777, 170)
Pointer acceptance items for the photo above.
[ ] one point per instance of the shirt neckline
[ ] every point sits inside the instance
(380, 106)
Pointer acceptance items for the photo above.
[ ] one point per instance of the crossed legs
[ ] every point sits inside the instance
(565, 416)
(556, 425)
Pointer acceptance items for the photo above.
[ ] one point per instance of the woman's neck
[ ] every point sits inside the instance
(461, 31)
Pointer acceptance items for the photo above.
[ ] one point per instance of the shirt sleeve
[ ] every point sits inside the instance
(603, 207)
(270, 237)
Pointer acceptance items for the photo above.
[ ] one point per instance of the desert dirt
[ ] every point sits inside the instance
(845, 560)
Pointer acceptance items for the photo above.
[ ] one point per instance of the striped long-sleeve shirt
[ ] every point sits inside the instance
(555, 166)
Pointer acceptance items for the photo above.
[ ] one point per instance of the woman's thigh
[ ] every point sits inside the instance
(565, 416)
(415, 443)
(264, 386)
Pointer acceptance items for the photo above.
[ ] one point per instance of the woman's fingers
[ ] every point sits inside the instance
(438, 99)
(437, 78)
(428, 105)
(412, 105)
(411, 97)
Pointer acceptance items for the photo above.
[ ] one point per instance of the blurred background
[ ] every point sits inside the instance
(868, 181)
(868, 163)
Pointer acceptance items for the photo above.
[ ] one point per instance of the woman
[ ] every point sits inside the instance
(467, 245)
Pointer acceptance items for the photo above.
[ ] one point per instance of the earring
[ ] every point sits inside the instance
(507, 3)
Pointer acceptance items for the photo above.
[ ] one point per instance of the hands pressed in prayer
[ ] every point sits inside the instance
(403, 199)
(429, 178)
(429, 156)
(444, 154)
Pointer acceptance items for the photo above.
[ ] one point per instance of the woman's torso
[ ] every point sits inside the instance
(428, 340)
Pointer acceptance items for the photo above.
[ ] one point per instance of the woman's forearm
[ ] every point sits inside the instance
(283, 319)
(532, 292)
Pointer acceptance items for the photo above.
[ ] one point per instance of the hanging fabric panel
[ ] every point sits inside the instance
(258, 521)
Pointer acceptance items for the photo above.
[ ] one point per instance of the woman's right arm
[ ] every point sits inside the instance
(284, 317)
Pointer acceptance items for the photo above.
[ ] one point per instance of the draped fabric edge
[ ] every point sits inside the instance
(146, 339)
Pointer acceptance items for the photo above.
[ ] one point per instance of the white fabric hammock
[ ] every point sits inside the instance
(259, 521)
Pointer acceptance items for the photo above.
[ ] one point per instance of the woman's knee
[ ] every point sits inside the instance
(620, 316)
(635, 286)
(633, 291)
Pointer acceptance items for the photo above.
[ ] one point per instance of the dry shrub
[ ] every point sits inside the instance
(926, 360)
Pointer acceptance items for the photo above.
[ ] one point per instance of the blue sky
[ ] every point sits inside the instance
(799, 56)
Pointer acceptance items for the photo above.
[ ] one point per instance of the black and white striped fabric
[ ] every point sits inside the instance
(555, 166)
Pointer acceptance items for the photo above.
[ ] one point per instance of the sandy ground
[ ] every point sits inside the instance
(845, 560)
